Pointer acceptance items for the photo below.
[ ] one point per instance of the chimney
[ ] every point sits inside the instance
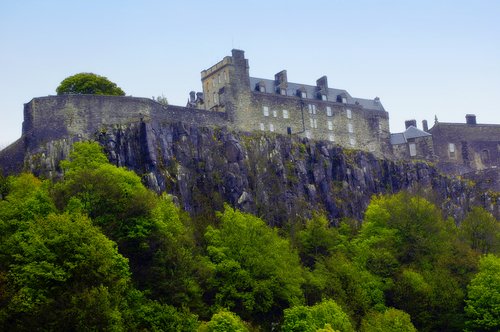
(425, 126)
(192, 96)
(409, 123)
(470, 119)
(322, 83)
(238, 54)
(280, 79)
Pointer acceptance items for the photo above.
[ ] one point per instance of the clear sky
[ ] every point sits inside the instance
(422, 57)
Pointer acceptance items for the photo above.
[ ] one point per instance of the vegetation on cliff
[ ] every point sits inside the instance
(96, 250)
(88, 84)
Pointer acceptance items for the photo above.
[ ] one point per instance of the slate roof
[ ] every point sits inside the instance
(312, 91)
(410, 132)
(468, 132)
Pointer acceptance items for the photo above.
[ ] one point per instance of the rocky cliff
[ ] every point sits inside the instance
(274, 176)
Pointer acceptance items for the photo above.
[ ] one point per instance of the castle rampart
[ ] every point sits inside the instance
(56, 117)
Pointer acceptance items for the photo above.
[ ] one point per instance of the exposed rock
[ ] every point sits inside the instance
(276, 177)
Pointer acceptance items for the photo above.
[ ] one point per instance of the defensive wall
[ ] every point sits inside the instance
(82, 116)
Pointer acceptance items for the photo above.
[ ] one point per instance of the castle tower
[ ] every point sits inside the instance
(226, 85)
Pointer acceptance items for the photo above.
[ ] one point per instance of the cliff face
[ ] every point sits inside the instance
(276, 177)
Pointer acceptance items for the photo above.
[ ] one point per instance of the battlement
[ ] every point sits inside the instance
(208, 72)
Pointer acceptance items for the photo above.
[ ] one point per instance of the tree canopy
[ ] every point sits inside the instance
(97, 250)
(89, 84)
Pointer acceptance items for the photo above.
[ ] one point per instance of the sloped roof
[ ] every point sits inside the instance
(410, 132)
(469, 132)
(312, 91)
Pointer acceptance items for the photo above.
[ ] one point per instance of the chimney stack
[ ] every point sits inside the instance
(425, 126)
(409, 123)
(470, 119)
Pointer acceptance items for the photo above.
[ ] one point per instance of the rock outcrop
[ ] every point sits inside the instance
(276, 177)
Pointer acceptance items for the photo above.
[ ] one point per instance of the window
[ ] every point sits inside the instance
(219, 78)
(313, 123)
(283, 92)
(312, 108)
(308, 134)
(485, 156)
(329, 111)
(352, 141)
(271, 127)
(413, 149)
(350, 128)
(330, 125)
(275, 113)
(216, 101)
(349, 113)
(451, 150)
(303, 94)
(331, 138)
(225, 77)
(323, 97)
(262, 88)
(262, 126)
(285, 114)
(344, 100)
(265, 110)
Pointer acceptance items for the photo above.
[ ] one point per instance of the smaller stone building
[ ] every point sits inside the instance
(466, 147)
(413, 143)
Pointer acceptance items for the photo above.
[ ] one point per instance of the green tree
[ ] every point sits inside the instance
(483, 296)
(481, 231)
(391, 320)
(149, 229)
(405, 240)
(255, 272)
(224, 321)
(324, 315)
(64, 274)
(88, 84)
(355, 289)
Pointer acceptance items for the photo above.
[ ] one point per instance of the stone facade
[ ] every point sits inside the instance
(316, 112)
(413, 143)
(466, 147)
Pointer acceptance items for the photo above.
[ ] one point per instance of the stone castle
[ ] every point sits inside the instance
(232, 98)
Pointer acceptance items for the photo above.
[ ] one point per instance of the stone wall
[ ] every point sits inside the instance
(82, 116)
(475, 147)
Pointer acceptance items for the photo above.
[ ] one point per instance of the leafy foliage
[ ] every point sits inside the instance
(224, 321)
(255, 272)
(326, 314)
(481, 231)
(88, 84)
(99, 251)
(391, 320)
(63, 273)
(483, 296)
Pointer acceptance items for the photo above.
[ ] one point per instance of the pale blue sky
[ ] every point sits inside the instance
(422, 58)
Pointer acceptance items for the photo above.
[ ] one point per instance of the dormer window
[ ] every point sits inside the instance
(303, 94)
(283, 92)
(342, 99)
(261, 87)
(323, 97)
